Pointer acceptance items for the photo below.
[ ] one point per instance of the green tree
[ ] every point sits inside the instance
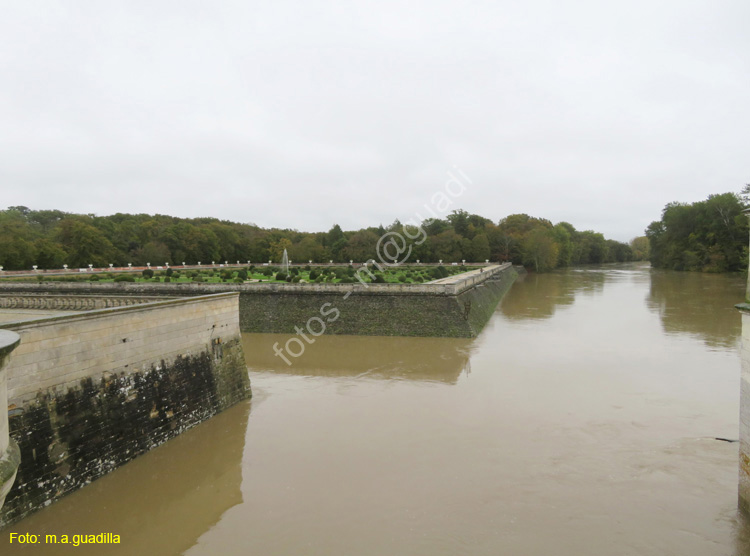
(277, 249)
(154, 252)
(540, 250)
(640, 248)
(85, 244)
(708, 235)
(480, 247)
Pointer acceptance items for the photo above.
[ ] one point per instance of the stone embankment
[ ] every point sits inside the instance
(457, 307)
(90, 391)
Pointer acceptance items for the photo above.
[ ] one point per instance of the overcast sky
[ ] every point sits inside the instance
(302, 114)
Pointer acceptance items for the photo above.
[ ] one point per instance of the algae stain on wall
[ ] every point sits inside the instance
(68, 439)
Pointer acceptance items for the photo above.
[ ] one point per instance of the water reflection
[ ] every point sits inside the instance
(588, 433)
(381, 357)
(537, 296)
(697, 304)
(160, 503)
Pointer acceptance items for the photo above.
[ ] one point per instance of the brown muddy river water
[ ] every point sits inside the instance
(582, 421)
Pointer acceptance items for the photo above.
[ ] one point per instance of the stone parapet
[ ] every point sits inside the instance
(49, 302)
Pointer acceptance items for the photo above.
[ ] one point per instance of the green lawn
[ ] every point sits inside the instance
(328, 275)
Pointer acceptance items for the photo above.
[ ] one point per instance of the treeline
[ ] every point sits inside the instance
(51, 238)
(708, 236)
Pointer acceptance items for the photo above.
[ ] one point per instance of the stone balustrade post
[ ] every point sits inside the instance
(10, 456)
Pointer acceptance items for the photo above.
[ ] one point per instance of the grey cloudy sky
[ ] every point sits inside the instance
(302, 114)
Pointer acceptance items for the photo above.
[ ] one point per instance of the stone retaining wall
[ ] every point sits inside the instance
(90, 391)
(445, 309)
(361, 311)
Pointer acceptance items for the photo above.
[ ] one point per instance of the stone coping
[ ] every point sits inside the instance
(85, 315)
(8, 342)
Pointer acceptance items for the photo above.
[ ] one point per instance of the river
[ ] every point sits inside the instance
(582, 421)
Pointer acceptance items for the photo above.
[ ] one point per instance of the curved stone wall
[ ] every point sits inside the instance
(10, 456)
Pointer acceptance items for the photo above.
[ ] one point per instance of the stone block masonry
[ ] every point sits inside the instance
(88, 392)
(459, 307)
(379, 313)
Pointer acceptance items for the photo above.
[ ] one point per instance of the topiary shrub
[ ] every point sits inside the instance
(314, 274)
(93, 278)
(198, 278)
(439, 272)
(147, 273)
(280, 276)
(167, 279)
(125, 278)
(169, 272)
(242, 275)
(296, 279)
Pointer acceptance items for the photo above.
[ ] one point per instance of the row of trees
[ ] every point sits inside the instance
(709, 236)
(51, 238)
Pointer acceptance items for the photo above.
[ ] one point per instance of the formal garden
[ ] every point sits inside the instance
(268, 274)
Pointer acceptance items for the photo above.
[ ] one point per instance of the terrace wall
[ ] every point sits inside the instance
(457, 308)
(90, 391)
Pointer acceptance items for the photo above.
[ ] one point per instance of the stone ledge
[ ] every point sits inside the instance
(8, 342)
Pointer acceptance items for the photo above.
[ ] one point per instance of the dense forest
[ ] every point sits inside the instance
(708, 236)
(51, 238)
